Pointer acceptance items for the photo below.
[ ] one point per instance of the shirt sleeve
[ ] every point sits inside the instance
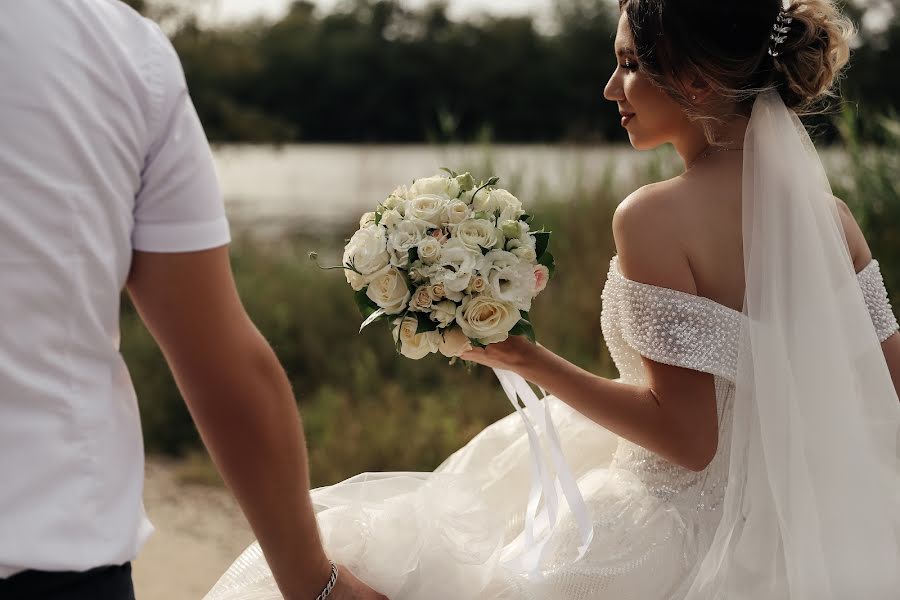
(179, 206)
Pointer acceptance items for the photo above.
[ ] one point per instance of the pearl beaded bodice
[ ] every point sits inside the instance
(694, 332)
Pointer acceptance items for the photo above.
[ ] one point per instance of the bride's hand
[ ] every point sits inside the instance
(348, 587)
(514, 354)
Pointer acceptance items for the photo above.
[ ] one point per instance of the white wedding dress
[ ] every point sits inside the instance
(441, 535)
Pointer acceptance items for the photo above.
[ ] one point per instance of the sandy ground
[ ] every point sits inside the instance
(199, 532)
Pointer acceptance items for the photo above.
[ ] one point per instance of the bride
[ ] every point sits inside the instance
(749, 448)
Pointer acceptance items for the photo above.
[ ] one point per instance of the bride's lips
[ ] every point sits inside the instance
(626, 118)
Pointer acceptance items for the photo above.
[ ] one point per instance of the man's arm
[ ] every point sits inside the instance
(242, 403)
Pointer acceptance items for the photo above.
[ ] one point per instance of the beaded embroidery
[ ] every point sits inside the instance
(694, 332)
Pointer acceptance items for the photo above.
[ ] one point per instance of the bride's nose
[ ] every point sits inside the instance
(614, 91)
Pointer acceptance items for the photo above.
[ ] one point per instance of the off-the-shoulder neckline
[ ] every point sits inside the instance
(696, 297)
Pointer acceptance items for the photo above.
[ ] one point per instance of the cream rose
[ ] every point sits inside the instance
(509, 206)
(430, 208)
(415, 345)
(389, 292)
(421, 300)
(477, 234)
(437, 185)
(457, 212)
(367, 253)
(478, 285)
(429, 250)
(486, 319)
(437, 291)
(454, 343)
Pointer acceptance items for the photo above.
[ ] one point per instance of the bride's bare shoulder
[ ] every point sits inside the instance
(648, 228)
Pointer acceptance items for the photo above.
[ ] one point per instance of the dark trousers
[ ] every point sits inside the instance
(104, 583)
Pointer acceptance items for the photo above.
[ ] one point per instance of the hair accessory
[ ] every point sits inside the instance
(779, 32)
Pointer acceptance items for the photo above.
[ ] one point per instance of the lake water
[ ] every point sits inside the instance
(312, 187)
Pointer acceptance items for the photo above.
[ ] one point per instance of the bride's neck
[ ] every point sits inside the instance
(694, 143)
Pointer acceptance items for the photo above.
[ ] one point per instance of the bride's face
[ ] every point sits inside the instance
(650, 116)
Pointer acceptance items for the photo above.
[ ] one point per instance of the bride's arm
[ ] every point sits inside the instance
(675, 414)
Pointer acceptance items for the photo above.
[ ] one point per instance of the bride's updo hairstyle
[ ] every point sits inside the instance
(725, 43)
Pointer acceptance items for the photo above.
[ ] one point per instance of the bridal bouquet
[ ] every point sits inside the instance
(450, 264)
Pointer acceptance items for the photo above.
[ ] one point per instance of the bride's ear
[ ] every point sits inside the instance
(697, 89)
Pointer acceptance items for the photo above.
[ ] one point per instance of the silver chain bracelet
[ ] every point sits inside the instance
(329, 587)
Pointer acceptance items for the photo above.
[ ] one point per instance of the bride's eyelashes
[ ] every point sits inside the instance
(629, 65)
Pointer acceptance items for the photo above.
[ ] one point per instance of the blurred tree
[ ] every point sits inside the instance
(376, 71)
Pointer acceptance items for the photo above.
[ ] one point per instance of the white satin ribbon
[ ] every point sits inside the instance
(550, 478)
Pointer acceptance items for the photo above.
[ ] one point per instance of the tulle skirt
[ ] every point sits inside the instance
(444, 535)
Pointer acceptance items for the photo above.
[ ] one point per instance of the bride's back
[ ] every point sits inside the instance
(705, 202)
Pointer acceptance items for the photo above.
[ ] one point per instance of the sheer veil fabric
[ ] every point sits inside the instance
(812, 509)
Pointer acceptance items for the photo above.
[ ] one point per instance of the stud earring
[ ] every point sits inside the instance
(694, 97)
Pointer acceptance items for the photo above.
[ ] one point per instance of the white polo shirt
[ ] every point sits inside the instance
(101, 153)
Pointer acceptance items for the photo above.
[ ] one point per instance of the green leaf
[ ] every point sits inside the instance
(548, 261)
(525, 328)
(477, 344)
(493, 180)
(413, 254)
(425, 323)
(364, 303)
(526, 218)
(543, 241)
(449, 172)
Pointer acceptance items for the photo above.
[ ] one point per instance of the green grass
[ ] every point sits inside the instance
(367, 409)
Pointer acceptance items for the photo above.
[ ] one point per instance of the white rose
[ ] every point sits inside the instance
(366, 220)
(477, 234)
(415, 345)
(512, 229)
(457, 266)
(437, 185)
(389, 292)
(391, 218)
(429, 208)
(486, 319)
(457, 212)
(509, 206)
(484, 202)
(525, 254)
(367, 252)
(443, 312)
(429, 250)
(454, 343)
(421, 300)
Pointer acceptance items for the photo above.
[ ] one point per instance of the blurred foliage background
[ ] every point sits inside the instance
(373, 71)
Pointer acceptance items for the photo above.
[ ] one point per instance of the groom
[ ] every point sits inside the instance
(106, 181)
